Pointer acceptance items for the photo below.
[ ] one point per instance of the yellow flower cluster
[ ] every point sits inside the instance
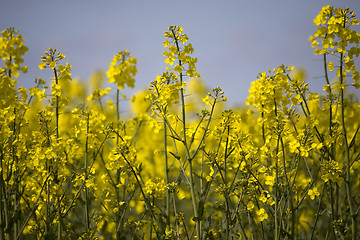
(12, 49)
(122, 70)
(174, 51)
(334, 35)
(165, 90)
(270, 92)
(332, 172)
(155, 187)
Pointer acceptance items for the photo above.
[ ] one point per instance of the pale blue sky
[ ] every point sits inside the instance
(233, 40)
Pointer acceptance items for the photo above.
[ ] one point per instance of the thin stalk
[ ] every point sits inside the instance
(56, 106)
(332, 209)
(251, 226)
(237, 214)
(117, 115)
(87, 220)
(193, 198)
(336, 201)
(318, 212)
(3, 205)
(59, 223)
(175, 214)
(15, 173)
(332, 149)
(12, 138)
(47, 203)
(167, 200)
(227, 214)
(117, 221)
(57, 137)
(192, 186)
(330, 98)
(347, 153)
(226, 154)
(277, 235)
(290, 193)
(202, 171)
(263, 136)
(151, 223)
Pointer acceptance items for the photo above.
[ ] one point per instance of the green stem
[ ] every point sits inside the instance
(332, 209)
(347, 153)
(318, 212)
(290, 193)
(117, 115)
(277, 236)
(57, 106)
(192, 187)
(167, 200)
(117, 218)
(4, 217)
(57, 137)
(87, 220)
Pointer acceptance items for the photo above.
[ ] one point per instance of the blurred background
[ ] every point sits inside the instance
(233, 40)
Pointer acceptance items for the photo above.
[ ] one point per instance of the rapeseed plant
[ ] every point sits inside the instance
(183, 167)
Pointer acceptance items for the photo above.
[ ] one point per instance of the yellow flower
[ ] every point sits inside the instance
(12, 49)
(52, 65)
(166, 43)
(263, 198)
(261, 214)
(110, 104)
(206, 100)
(269, 180)
(331, 66)
(313, 193)
(315, 43)
(122, 70)
(155, 187)
(250, 206)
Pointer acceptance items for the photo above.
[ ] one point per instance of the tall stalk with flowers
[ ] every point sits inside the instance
(13, 104)
(334, 36)
(61, 73)
(169, 89)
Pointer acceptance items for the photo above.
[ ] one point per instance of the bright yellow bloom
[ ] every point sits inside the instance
(269, 180)
(313, 193)
(122, 70)
(155, 187)
(12, 49)
(261, 214)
